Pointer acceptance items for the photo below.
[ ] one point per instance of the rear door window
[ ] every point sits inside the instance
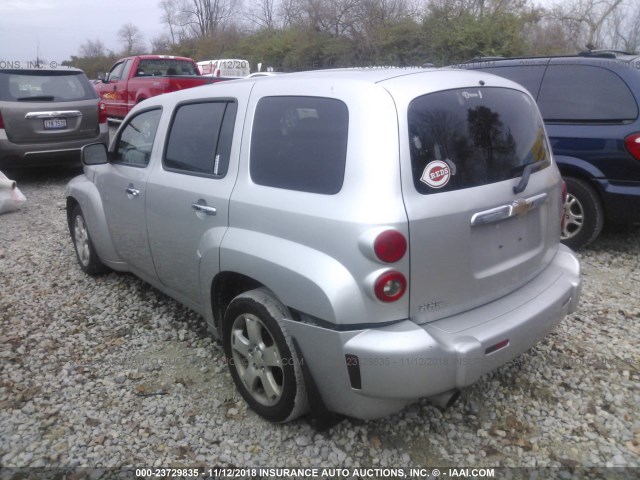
(465, 138)
(300, 143)
(582, 93)
(200, 138)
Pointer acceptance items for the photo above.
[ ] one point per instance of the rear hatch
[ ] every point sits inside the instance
(44, 106)
(473, 236)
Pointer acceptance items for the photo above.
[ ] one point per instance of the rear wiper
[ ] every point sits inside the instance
(41, 98)
(526, 173)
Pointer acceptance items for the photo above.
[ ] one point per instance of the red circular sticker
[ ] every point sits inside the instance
(436, 174)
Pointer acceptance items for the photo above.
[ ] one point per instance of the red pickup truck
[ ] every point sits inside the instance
(134, 79)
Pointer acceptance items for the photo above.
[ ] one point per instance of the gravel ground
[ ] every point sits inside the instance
(108, 371)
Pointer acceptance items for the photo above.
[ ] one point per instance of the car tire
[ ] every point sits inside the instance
(83, 245)
(583, 214)
(262, 361)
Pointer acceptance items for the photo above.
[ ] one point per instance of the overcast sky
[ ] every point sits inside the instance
(57, 28)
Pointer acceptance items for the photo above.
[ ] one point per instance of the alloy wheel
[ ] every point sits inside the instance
(257, 359)
(573, 217)
(81, 240)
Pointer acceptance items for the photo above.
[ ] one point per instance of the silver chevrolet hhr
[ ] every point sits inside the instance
(357, 239)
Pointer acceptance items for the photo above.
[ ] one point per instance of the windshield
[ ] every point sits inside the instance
(469, 137)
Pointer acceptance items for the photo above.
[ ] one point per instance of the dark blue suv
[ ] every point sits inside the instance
(589, 103)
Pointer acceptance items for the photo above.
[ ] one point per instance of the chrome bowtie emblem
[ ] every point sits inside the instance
(520, 207)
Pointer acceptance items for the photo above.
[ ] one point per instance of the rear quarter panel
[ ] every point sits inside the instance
(305, 246)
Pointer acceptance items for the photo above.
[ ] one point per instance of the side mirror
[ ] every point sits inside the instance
(95, 154)
(102, 77)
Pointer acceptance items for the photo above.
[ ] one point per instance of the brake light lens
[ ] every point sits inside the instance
(632, 142)
(390, 246)
(102, 112)
(390, 286)
(1, 122)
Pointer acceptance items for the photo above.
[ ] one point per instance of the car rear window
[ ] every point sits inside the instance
(45, 86)
(470, 137)
(582, 93)
(300, 143)
(166, 66)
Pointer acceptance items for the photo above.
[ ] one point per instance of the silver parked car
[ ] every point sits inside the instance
(47, 116)
(356, 239)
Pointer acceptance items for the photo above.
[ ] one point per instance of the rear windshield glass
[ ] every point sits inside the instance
(469, 137)
(166, 66)
(47, 86)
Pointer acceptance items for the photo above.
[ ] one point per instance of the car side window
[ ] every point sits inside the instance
(136, 139)
(199, 140)
(116, 72)
(300, 143)
(126, 68)
(529, 76)
(582, 93)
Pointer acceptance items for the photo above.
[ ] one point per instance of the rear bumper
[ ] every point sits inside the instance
(24, 155)
(403, 362)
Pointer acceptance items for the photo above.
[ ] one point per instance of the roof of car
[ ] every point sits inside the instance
(160, 57)
(32, 69)
(371, 74)
(365, 75)
(403, 84)
(582, 57)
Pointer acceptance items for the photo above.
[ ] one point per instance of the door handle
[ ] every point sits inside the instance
(199, 207)
(132, 191)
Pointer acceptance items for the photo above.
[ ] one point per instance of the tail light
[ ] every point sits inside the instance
(390, 246)
(1, 122)
(632, 142)
(102, 112)
(564, 201)
(385, 245)
(390, 286)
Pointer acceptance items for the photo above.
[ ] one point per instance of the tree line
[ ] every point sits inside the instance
(293, 35)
